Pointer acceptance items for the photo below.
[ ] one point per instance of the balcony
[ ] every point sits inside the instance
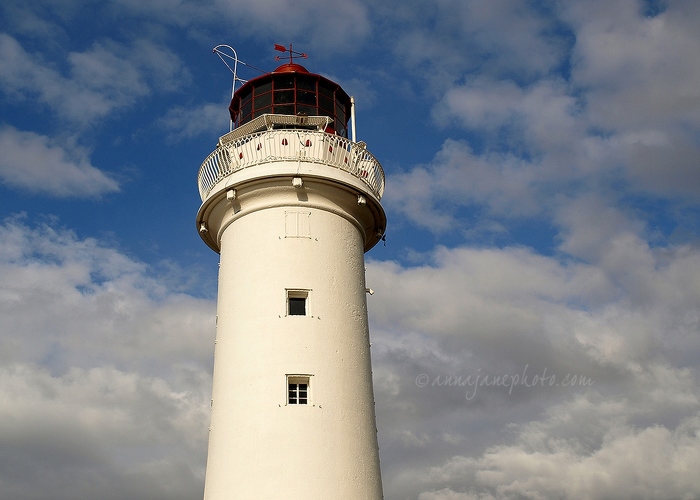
(278, 138)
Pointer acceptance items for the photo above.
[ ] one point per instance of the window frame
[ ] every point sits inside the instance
(311, 95)
(297, 294)
(297, 380)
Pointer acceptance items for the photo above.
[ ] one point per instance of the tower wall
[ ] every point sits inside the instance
(275, 238)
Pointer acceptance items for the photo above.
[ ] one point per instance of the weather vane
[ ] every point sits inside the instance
(292, 53)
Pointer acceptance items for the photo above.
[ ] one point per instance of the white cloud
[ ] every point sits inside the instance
(651, 462)
(24, 21)
(541, 117)
(38, 164)
(330, 24)
(105, 375)
(430, 195)
(503, 38)
(628, 116)
(639, 71)
(111, 387)
(91, 296)
(326, 25)
(99, 433)
(665, 165)
(627, 321)
(641, 77)
(191, 122)
(106, 77)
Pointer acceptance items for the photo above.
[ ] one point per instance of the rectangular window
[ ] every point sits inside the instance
(340, 111)
(297, 389)
(297, 302)
(262, 101)
(326, 105)
(284, 81)
(261, 89)
(246, 107)
(284, 96)
(306, 97)
(306, 83)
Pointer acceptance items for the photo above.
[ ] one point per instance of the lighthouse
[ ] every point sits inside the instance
(291, 204)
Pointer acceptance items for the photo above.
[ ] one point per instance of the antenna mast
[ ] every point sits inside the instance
(217, 50)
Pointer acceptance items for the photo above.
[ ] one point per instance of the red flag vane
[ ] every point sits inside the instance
(292, 53)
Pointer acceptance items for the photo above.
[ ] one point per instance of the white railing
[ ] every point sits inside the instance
(291, 145)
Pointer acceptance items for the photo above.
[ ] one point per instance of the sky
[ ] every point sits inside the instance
(536, 318)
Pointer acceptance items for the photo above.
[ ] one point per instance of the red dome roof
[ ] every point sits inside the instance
(291, 68)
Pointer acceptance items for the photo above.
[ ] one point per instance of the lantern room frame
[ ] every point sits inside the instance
(292, 90)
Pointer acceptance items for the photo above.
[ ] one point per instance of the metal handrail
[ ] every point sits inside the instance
(291, 145)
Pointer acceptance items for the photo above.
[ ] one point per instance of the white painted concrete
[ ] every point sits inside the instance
(275, 237)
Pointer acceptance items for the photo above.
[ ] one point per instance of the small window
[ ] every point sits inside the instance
(306, 97)
(326, 90)
(297, 390)
(306, 83)
(262, 101)
(297, 302)
(284, 96)
(326, 105)
(261, 89)
(284, 81)
(297, 306)
(246, 107)
(340, 110)
(245, 95)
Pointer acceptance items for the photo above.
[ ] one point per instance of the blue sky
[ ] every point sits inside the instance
(543, 196)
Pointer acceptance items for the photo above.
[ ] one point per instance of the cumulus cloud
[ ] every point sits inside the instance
(333, 24)
(111, 387)
(579, 116)
(624, 121)
(326, 25)
(106, 77)
(640, 71)
(104, 373)
(99, 433)
(431, 195)
(605, 354)
(642, 75)
(38, 164)
(651, 462)
(191, 122)
(504, 38)
(541, 118)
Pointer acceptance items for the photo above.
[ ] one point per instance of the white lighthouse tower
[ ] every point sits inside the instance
(292, 204)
